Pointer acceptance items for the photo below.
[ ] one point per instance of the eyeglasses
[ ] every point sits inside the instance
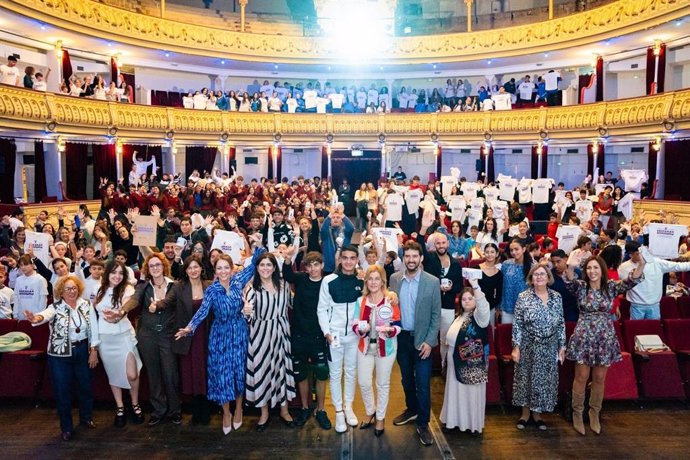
(71, 289)
(540, 275)
(155, 265)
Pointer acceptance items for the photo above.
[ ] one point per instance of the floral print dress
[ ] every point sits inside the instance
(539, 332)
(594, 341)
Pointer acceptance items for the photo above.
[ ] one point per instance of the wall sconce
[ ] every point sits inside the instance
(487, 145)
(60, 144)
(173, 147)
(118, 148)
(657, 47)
(58, 49)
(328, 149)
(656, 146)
(540, 148)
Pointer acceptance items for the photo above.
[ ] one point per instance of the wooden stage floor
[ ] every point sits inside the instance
(659, 430)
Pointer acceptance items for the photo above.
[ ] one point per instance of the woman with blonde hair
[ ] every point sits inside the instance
(377, 322)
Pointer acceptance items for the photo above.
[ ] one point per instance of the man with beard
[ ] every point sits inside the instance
(449, 272)
(420, 311)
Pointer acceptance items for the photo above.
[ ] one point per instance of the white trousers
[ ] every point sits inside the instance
(345, 356)
(447, 318)
(365, 369)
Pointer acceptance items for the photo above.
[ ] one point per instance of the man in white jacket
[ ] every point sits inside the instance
(644, 298)
(336, 309)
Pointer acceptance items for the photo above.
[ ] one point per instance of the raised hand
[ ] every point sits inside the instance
(152, 306)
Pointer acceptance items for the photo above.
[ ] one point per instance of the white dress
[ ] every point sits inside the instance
(118, 340)
(464, 406)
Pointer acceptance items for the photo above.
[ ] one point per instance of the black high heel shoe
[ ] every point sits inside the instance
(288, 423)
(138, 415)
(120, 419)
(378, 433)
(261, 427)
(368, 424)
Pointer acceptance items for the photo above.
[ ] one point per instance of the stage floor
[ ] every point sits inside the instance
(658, 430)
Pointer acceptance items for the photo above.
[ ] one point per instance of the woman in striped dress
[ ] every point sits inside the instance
(270, 380)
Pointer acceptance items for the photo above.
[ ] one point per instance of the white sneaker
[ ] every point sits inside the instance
(340, 425)
(351, 417)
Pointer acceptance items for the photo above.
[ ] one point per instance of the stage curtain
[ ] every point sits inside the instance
(279, 163)
(535, 163)
(590, 160)
(544, 161)
(439, 162)
(145, 152)
(583, 82)
(601, 160)
(651, 165)
(661, 73)
(649, 71)
(40, 190)
(66, 66)
(677, 165)
(269, 173)
(76, 157)
(232, 161)
(491, 171)
(199, 158)
(8, 156)
(482, 164)
(104, 165)
(600, 78)
(324, 162)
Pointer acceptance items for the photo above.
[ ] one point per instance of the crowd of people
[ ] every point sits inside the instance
(434, 264)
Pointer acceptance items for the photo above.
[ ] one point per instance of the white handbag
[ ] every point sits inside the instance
(649, 343)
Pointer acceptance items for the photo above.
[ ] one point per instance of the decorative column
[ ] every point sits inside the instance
(162, 11)
(550, 9)
(168, 151)
(118, 160)
(243, 6)
(469, 15)
(54, 60)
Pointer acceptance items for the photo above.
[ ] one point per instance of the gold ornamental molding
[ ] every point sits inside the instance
(97, 19)
(39, 111)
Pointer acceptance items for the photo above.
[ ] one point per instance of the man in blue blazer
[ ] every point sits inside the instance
(420, 311)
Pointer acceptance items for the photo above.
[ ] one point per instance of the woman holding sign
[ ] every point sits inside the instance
(464, 403)
(377, 316)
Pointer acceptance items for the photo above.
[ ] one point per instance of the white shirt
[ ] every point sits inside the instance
(336, 100)
(292, 105)
(525, 90)
(551, 80)
(663, 239)
(491, 194)
(625, 205)
(540, 190)
(188, 102)
(40, 86)
(9, 75)
(199, 101)
(583, 210)
(372, 97)
(502, 101)
(649, 290)
(633, 179)
(393, 204)
(6, 302)
(567, 237)
(411, 101)
(310, 97)
(31, 293)
(487, 104)
(123, 325)
(469, 190)
(402, 100)
(507, 188)
(361, 100)
(91, 287)
(412, 199)
(524, 191)
(457, 205)
(473, 217)
(274, 104)
(321, 103)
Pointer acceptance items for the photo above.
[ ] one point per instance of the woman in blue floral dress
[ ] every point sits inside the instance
(594, 345)
(228, 340)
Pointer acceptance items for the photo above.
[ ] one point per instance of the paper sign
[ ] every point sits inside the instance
(146, 231)
(472, 273)
(40, 243)
(390, 235)
(230, 243)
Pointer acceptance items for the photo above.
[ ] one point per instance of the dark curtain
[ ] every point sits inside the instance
(590, 160)
(651, 165)
(481, 171)
(199, 158)
(600, 78)
(154, 98)
(40, 189)
(269, 174)
(104, 165)
(677, 165)
(232, 153)
(544, 161)
(66, 66)
(583, 82)
(491, 171)
(439, 162)
(8, 159)
(279, 163)
(651, 68)
(661, 73)
(76, 157)
(324, 162)
(535, 163)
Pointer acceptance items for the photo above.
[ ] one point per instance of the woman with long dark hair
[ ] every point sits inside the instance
(491, 282)
(594, 345)
(270, 381)
(118, 347)
(514, 271)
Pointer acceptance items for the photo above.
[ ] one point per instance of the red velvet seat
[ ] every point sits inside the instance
(474, 263)
(684, 306)
(566, 371)
(678, 336)
(620, 378)
(21, 372)
(503, 340)
(658, 373)
(7, 325)
(493, 386)
(669, 308)
(624, 308)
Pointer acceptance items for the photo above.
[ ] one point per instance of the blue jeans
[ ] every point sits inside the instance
(416, 378)
(63, 371)
(638, 311)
